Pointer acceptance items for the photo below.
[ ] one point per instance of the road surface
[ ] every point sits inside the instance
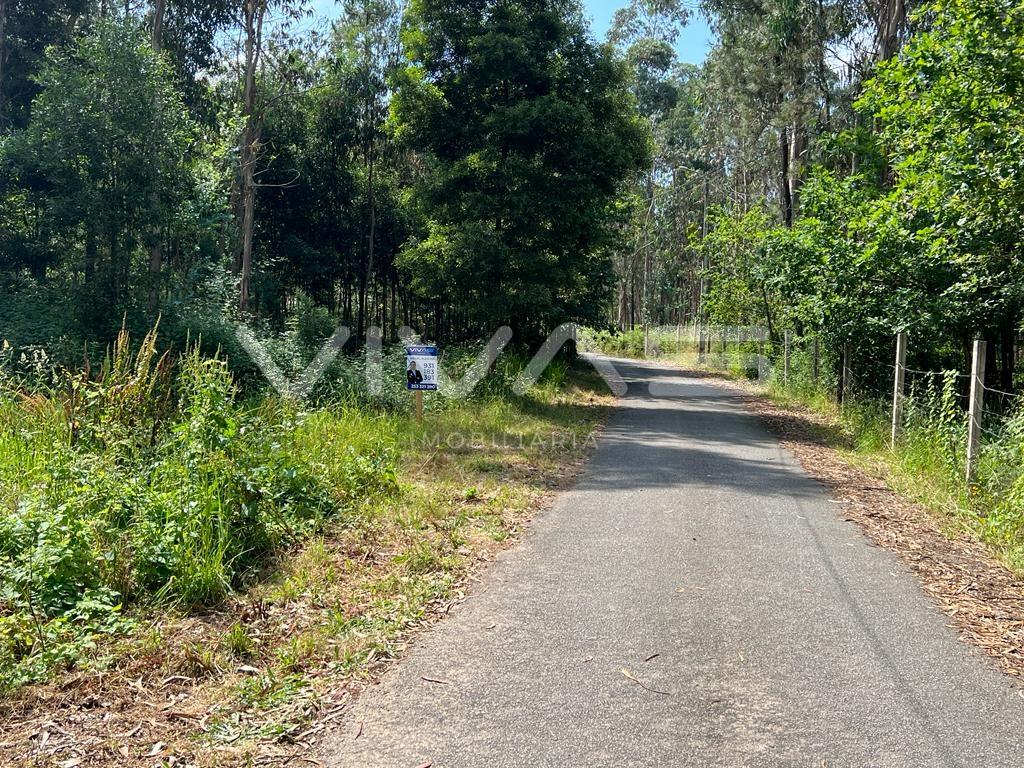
(696, 555)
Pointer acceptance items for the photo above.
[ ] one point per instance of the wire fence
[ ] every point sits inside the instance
(961, 404)
(961, 407)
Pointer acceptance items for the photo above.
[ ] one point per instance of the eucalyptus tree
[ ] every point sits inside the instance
(255, 57)
(645, 33)
(368, 54)
(108, 151)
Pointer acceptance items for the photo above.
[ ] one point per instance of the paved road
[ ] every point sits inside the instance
(782, 637)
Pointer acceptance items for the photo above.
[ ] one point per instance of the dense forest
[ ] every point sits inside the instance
(205, 160)
(841, 170)
(845, 169)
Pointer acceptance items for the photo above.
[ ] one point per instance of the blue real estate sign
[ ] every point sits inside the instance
(421, 367)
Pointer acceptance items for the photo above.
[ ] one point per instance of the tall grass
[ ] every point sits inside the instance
(148, 481)
(928, 462)
(152, 482)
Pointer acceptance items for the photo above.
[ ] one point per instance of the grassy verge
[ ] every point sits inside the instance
(927, 465)
(213, 588)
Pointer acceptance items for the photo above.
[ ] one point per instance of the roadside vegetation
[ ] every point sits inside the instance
(928, 463)
(159, 523)
(175, 537)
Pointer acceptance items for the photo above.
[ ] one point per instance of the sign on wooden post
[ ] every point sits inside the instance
(976, 406)
(897, 387)
(420, 373)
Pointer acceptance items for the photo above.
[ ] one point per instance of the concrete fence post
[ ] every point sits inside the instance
(815, 354)
(897, 388)
(976, 406)
(844, 375)
(787, 343)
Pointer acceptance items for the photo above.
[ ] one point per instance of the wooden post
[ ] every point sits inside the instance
(847, 371)
(700, 344)
(679, 337)
(977, 403)
(417, 397)
(787, 341)
(646, 340)
(814, 361)
(844, 375)
(897, 387)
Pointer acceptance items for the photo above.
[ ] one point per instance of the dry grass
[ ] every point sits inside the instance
(981, 596)
(256, 681)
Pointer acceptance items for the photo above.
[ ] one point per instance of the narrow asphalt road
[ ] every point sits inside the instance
(695, 554)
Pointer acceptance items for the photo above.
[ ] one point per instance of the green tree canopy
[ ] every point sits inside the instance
(107, 152)
(528, 131)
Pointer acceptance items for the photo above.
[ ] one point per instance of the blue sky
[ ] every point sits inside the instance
(692, 46)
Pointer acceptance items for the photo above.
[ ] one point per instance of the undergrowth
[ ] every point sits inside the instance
(151, 483)
(928, 461)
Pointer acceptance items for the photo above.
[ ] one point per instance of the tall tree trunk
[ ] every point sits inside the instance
(371, 237)
(797, 151)
(156, 249)
(253, 12)
(704, 258)
(891, 21)
(248, 220)
(620, 319)
(159, 13)
(785, 197)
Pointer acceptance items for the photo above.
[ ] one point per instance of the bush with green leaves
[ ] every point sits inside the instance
(153, 482)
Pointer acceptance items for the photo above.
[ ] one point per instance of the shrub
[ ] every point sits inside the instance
(152, 481)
